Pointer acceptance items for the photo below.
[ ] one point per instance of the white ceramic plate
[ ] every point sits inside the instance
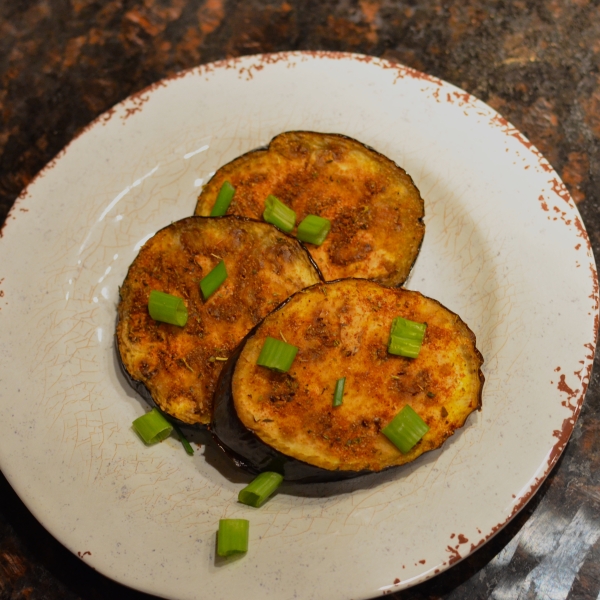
(504, 248)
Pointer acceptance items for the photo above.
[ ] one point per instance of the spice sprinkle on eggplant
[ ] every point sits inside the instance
(287, 421)
(179, 366)
(376, 211)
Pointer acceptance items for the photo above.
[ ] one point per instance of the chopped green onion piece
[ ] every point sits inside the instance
(223, 200)
(408, 329)
(278, 214)
(313, 229)
(256, 493)
(152, 427)
(167, 308)
(187, 446)
(406, 337)
(338, 395)
(405, 429)
(233, 536)
(277, 355)
(211, 283)
(403, 347)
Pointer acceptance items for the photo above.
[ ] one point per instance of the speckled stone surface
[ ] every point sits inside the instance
(62, 63)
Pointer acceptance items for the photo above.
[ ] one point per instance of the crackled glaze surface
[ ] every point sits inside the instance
(504, 248)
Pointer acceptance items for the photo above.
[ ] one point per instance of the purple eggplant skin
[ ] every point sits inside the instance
(248, 451)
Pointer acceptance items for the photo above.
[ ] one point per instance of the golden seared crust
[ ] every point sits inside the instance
(180, 365)
(342, 330)
(374, 207)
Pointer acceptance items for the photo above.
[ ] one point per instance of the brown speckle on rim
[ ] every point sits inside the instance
(594, 295)
(454, 555)
(402, 71)
(461, 99)
(559, 188)
(582, 232)
(396, 581)
(509, 130)
(138, 100)
(563, 387)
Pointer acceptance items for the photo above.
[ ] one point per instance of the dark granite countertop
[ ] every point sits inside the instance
(64, 62)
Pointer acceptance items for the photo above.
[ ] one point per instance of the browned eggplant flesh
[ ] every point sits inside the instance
(179, 366)
(341, 329)
(376, 212)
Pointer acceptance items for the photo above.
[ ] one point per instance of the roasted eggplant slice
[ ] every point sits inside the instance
(287, 421)
(374, 207)
(179, 366)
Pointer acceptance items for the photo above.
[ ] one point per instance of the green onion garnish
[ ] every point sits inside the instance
(223, 200)
(152, 427)
(167, 308)
(313, 229)
(187, 446)
(278, 214)
(233, 536)
(277, 355)
(406, 337)
(211, 283)
(256, 493)
(405, 429)
(409, 329)
(338, 395)
(404, 347)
